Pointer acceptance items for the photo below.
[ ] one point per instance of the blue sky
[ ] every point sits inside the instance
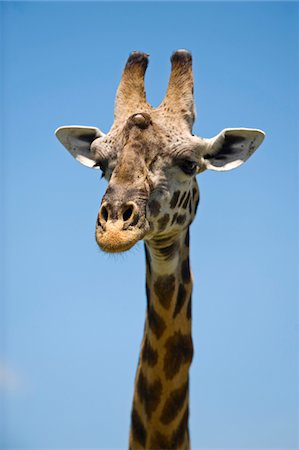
(72, 317)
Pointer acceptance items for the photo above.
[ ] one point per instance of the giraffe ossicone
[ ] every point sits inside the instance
(150, 159)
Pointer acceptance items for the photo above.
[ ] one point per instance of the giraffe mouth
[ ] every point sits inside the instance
(114, 239)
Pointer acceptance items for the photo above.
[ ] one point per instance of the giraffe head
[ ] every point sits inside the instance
(150, 157)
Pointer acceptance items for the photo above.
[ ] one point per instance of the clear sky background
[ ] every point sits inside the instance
(71, 316)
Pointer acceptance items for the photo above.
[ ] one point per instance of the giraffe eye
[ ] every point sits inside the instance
(102, 170)
(102, 165)
(188, 167)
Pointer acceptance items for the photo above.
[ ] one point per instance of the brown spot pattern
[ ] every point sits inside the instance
(138, 429)
(186, 201)
(174, 218)
(181, 219)
(179, 434)
(196, 206)
(154, 207)
(174, 199)
(189, 308)
(186, 276)
(187, 238)
(182, 199)
(156, 323)
(174, 404)
(179, 350)
(162, 222)
(160, 442)
(164, 289)
(181, 298)
(149, 393)
(149, 354)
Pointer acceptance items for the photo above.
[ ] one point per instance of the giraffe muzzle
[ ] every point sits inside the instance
(119, 228)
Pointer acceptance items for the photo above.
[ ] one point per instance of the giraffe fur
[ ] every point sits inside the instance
(150, 159)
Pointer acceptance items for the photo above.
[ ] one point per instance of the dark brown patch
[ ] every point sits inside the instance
(148, 259)
(182, 199)
(181, 219)
(174, 404)
(174, 199)
(178, 436)
(160, 442)
(162, 222)
(187, 238)
(179, 350)
(189, 308)
(181, 298)
(149, 393)
(156, 323)
(186, 201)
(164, 289)
(138, 429)
(149, 354)
(169, 251)
(196, 205)
(186, 275)
(174, 218)
(154, 207)
(194, 192)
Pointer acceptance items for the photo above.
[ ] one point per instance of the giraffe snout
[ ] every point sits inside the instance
(119, 227)
(127, 215)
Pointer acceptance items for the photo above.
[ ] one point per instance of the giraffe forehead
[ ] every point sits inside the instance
(148, 134)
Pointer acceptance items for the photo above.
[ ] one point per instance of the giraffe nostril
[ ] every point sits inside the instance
(104, 213)
(127, 214)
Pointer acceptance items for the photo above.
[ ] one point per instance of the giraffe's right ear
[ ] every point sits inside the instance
(77, 140)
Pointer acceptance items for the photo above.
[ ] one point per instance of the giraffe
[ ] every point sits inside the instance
(150, 159)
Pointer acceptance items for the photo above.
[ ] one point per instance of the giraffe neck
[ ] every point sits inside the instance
(161, 396)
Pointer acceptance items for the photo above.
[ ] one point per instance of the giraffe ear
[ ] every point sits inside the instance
(230, 148)
(77, 141)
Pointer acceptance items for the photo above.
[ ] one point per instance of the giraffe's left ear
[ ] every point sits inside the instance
(230, 148)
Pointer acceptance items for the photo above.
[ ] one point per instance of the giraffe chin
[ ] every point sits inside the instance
(114, 240)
